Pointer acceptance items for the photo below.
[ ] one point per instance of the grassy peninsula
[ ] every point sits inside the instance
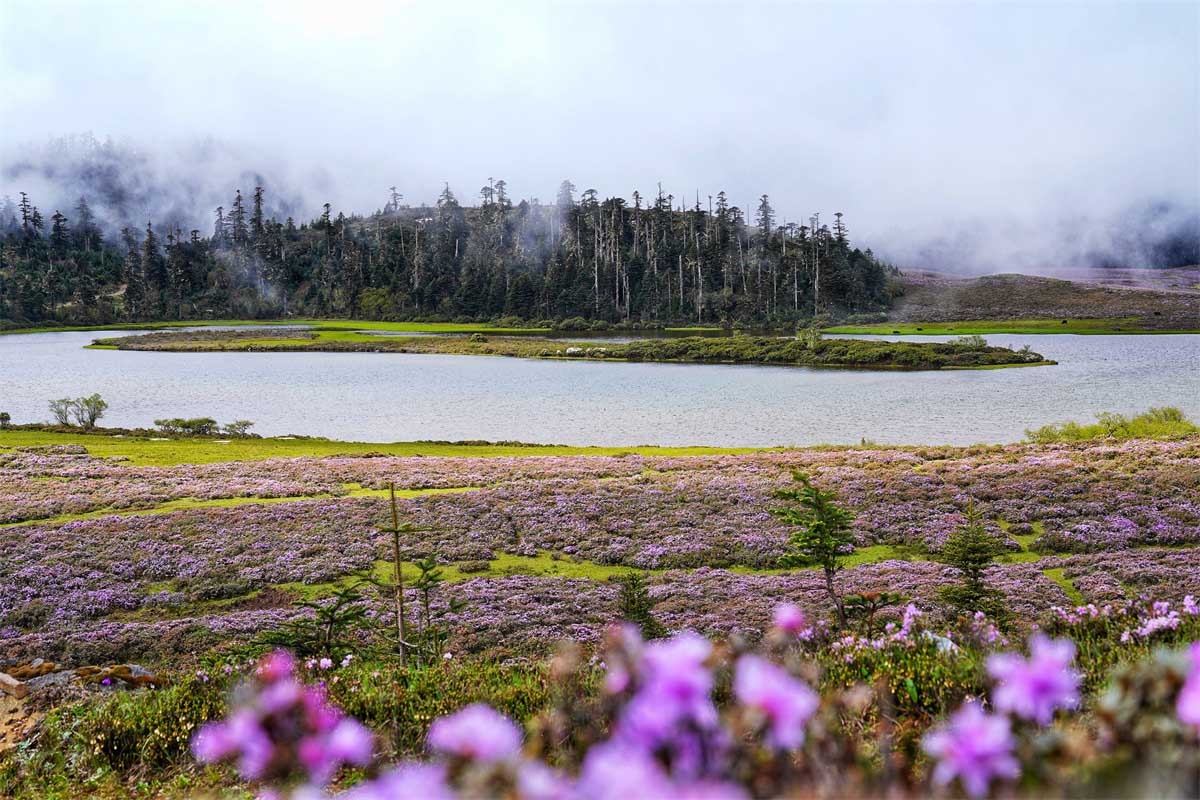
(968, 353)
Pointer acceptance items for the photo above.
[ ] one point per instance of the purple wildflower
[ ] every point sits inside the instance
(278, 664)
(709, 790)
(785, 702)
(616, 771)
(536, 781)
(789, 618)
(425, 781)
(477, 732)
(974, 747)
(1034, 689)
(348, 743)
(1187, 706)
(675, 688)
(240, 735)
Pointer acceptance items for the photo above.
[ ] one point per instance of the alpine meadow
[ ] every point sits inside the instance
(596, 401)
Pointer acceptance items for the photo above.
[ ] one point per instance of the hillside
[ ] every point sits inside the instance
(1156, 299)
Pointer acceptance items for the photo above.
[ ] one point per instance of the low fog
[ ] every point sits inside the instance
(981, 137)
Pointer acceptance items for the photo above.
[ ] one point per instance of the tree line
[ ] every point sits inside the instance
(649, 261)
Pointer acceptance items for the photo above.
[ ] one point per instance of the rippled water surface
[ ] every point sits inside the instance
(393, 397)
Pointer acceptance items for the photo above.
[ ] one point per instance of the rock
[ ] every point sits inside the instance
(12, 686)
(59, 678)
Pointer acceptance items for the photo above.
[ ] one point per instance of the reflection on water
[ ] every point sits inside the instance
(392, 397)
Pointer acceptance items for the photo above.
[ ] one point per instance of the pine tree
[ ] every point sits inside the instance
(238, 231)
(971, 549)
(59, 235)
(86, 229)
(154, 268)
(635, 605)
(256, 217)
(135, 283)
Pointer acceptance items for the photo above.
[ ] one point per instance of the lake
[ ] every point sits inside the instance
(395, 397)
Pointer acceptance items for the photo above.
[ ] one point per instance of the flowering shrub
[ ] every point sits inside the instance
(657, 731)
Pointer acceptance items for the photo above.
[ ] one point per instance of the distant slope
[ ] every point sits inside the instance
(1171, 299)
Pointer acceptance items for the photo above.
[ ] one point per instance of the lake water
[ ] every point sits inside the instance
(394, 397)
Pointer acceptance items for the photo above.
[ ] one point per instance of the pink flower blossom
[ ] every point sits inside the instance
(477, 732)
(1034, 689)
(536, 781)
(785, 702)
(424, 781)
(789, 618)
(241, 735)
(1187, 706)
(974, 747)
(617, 771)
(675, 688)
(276, 665)
(348, 743)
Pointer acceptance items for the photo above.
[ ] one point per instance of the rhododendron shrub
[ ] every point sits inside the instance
(684, 717)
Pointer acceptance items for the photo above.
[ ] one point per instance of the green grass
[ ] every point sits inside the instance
(1157, 423)
(1023, 539)
(187, 503)
(984, 326)
(1093, 325)
(544, 565)
(1062, 580)
(332, 324)
(145, 451)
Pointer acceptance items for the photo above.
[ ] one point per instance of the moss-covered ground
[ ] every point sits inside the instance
(163, 451)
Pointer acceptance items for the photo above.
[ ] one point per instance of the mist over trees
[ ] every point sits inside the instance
(646, 261)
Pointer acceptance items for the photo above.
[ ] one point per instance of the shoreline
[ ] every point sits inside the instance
(1036, 325)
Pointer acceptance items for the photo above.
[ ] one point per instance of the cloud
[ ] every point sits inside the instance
(978, 136)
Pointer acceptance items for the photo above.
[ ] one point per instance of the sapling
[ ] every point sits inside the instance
(822, 534)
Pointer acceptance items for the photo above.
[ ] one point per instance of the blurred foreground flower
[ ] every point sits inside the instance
(1034, 688)
(975, 747)
(285, 730)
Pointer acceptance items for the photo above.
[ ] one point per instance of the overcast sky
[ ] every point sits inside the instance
(978, 124)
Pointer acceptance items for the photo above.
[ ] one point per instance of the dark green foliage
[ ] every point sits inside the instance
(239, 428)
(636, 606)
(810, 349)
(205, 426)
(971, 549)
(328, 633)
(429, 637)
(821, 535)
(5, 419)
(588, 260)
(146, 733)
(127, 731)
(200, 426)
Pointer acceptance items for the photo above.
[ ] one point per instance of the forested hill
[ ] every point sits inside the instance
(648, 261)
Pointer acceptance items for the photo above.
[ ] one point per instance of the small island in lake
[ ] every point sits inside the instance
(806, 350)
